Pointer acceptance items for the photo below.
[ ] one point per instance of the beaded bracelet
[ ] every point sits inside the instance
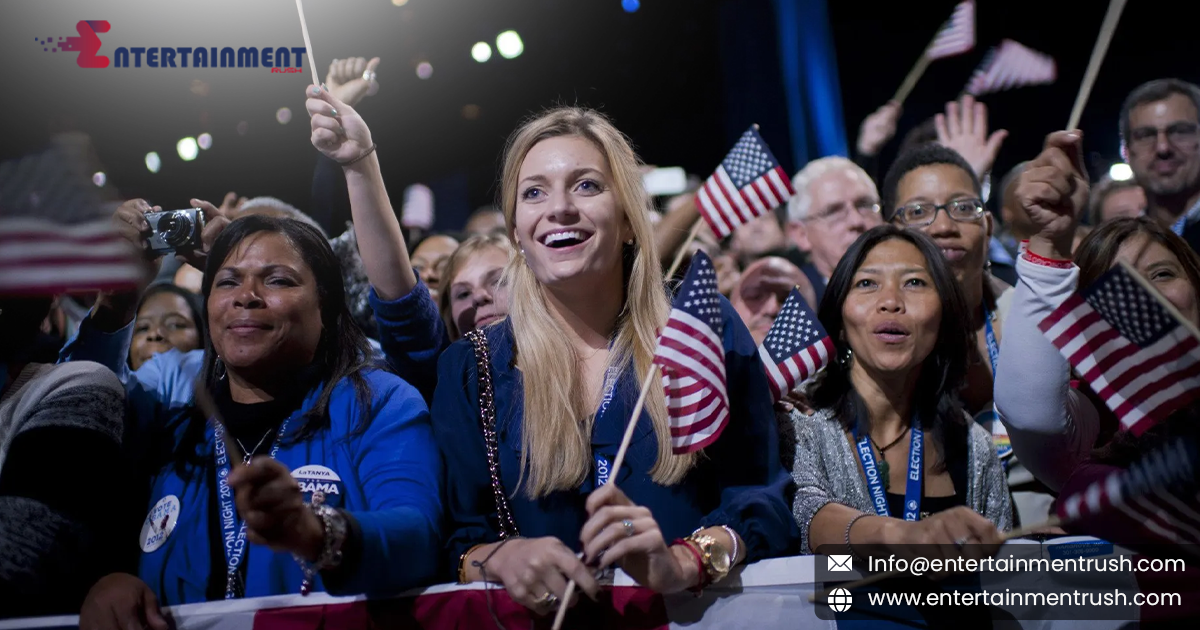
(848, 526)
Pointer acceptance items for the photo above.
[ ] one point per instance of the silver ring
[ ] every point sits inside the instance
(628, 525)
(548, 600)
(333, 112)
(368, 75)
(961, 542)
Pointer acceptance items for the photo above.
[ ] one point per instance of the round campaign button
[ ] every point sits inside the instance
(314, 478)
(159, 523)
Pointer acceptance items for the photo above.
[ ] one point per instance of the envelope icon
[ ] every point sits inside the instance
(839, 562)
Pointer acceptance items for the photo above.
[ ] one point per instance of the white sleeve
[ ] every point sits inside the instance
(1051, 425)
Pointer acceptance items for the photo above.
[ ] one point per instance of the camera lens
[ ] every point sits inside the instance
(175, 229)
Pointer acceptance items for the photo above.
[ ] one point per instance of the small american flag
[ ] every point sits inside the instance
(957, 35)
(748, 184)
(56, 233)
(1011, 65)
(795, 348)
(1158, 491)
(1141, 360)
(692, 358)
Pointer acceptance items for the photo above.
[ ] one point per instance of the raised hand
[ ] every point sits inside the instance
(120, 601)
(269, 500)
(337, 130)
(619, 532)
(349, 80)
(878, 128)
(964, 128)
(1053, 191)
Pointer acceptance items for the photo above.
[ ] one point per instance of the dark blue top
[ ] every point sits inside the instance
(817, 281)
(738, 482)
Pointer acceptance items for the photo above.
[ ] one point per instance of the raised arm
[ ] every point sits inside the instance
(1052, 427)
(342, 135)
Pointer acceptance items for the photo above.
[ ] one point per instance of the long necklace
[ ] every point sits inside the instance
(248, 454)
(883, 464)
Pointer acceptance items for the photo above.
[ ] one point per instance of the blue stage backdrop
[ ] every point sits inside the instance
(779, 70)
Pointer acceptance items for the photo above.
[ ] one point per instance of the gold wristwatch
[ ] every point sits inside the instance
(716, 559)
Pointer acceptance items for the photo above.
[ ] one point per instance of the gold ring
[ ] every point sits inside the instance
(547, 601)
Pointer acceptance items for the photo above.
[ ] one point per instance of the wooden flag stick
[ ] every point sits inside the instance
(312, 61)
(684, 248)
(1185, 322)
(914, 75)
(612, 479)
(821, 596)
(1102, 40)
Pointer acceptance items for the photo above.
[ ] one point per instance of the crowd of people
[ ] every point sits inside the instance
(401, 408)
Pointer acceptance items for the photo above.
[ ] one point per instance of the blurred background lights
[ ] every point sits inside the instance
(630, 5)
(99, 178)
(509, 45)
(187, 149)
(204, 140)
(152, 162)
(481, 52)
(243, 127)
(424, 70)
(471, 111)
(399, 3)
(1120, 172)
(283, 115)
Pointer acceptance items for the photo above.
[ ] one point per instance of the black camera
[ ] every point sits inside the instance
(175, 230)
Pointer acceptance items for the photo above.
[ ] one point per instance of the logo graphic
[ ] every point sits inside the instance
(840, 600)
(279, 59)
(839, 562)
(86, 44)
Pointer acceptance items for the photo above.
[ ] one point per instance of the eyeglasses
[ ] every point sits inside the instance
(922, 214)
(1184, 135)
(841, 212)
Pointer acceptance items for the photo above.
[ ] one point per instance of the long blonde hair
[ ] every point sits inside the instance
(557, 428)
(455, 261)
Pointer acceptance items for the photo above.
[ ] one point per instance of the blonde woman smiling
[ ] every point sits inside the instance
(586, 299)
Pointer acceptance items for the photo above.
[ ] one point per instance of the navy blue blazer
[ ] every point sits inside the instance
(738, 482)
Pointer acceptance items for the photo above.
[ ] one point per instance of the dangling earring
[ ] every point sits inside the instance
(845, 358)
(219, 369)
(987, 265)
(629, 242)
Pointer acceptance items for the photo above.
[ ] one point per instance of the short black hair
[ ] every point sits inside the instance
(923, 155)
(1152, 91)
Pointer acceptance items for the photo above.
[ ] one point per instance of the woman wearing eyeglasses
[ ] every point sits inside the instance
(933, 189)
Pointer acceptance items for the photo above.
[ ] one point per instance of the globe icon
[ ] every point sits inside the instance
(839, 600)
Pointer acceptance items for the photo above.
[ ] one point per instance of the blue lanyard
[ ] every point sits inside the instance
(993, 348)
(912, 487)
(603, 466)
(233, 529)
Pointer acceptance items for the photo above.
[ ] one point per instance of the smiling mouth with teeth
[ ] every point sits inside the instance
(564, 239)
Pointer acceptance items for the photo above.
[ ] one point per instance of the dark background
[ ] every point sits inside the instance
(681, 77)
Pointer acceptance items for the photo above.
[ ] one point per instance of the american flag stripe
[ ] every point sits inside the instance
(957, 35)
(744, 212)
(692, 357)
(1137, 357)
(721, 216)
(1011, 65)
(795, 348)
(747, 184)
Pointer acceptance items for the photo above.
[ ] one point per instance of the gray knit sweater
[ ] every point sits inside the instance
(49, 544)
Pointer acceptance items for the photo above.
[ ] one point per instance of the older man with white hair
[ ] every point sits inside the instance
(835, 201)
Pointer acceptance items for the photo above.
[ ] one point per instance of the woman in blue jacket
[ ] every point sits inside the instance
(586, 300)
(339, 488)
